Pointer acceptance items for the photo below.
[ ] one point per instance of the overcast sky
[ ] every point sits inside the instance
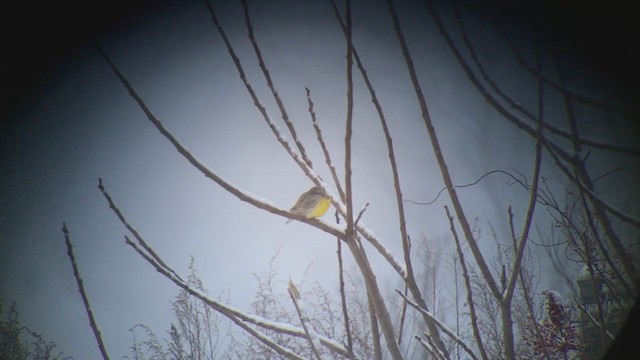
(70, 122)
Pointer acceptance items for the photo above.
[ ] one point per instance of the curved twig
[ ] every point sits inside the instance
(498, 171)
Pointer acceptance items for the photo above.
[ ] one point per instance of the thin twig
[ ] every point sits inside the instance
(532, 203)
(304, 319)
(131, 229)
(403, 315)
(375, 330)
(364, 208)
(583, 180)
(507, 297)
(323, 145)
(498, 171)
(83, 294)
(351, 236)
(349, 128)
(343, 299)
(525, 291)
(267, 76)
(467, 283)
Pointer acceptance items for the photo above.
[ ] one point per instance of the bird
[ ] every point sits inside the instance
(312, 204)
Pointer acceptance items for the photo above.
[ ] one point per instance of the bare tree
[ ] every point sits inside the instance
(499, 280)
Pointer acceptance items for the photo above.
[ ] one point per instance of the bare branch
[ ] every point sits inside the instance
(403, 315)
(594, 321)
(566, 92)
(381, 248)
(83, 294)
(243, 196)
(531, 208)
(267, 76)
(430, 347)
(306, 322)
(585, 184)
(364, 208)
(234, 314)
(505, 306)
(442, 326)
(323, 145)
(554, 150)
(358, 252)
(363, 231)
(131, 229)
(483, 72)
(555, 85)
(466, 228)
(582, 176)
(498, 171)
(467, 284)
(495, 103)
(375, 330)
(363, 265)
(409, 276)
(525, 291)
(349, 129)
(597, 292)
(308, 171)
(375, 296)
(343, 300)
(603, 250)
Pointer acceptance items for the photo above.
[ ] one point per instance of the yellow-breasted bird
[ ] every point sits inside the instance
(312, 204)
